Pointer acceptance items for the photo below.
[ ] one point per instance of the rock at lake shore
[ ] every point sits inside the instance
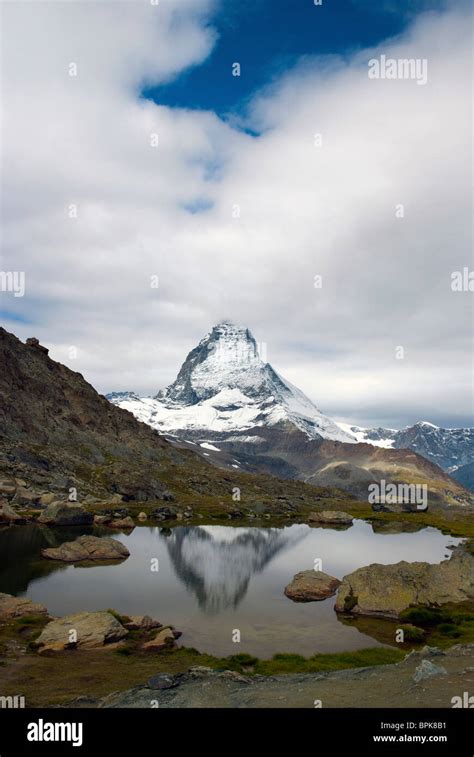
(386, 590)
(142, 623)
(311, 586)
(88, 548)
(164, 639)
(335, 517)
(65, 514)
(17, 607)
(93, 629)
(122, 523)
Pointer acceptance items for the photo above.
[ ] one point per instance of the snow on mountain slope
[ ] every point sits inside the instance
(378, 437)
(225, 387)
(225, 392)
(449, 448)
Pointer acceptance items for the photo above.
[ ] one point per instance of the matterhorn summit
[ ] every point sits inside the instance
(226, 388)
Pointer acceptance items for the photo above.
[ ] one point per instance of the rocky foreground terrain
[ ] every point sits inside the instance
(428, 678)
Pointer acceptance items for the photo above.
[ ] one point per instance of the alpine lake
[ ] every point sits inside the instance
(222, 586)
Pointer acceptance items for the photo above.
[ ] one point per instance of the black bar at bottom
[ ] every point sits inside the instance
(131, 731)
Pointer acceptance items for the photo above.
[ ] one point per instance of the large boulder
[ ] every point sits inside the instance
(66, 514)
(17, 607)
(311, 586)
(83, 629)
(387, 590)
(87, 548)
(336, 517)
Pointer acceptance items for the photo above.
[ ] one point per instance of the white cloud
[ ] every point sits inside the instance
(305, 210)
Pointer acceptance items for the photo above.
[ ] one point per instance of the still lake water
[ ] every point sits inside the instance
(213, 579)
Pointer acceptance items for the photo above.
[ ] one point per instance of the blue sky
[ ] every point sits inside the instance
(267, 37)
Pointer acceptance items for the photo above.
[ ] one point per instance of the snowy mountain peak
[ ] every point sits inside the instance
(226, 358)
(226, 386)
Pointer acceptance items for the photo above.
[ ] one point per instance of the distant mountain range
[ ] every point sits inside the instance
(450, 448)
(233, 407)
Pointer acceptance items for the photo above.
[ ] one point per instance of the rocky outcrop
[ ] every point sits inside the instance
(83, 629)
(335, 517)
(88, 548)
(65, 514)
(32, 341)
(387, 590)
(17, 607)
(311, 586)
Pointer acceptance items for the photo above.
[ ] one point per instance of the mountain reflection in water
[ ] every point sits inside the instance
(217, 562)
(213, 579)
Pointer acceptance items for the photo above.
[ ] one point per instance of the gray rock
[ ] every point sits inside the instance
(427, 669)
(311, 586)
(387, 590)
(94, 629)
(337, 517)
(88, 548)
(66, 514)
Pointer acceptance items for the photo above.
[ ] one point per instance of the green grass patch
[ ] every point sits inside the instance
(294, 663)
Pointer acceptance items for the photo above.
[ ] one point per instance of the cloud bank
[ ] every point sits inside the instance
(364, 183)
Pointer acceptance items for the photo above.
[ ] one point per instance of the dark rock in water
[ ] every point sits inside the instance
(311, 586)
(88, 548)
(65, 514)
(164, 513)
